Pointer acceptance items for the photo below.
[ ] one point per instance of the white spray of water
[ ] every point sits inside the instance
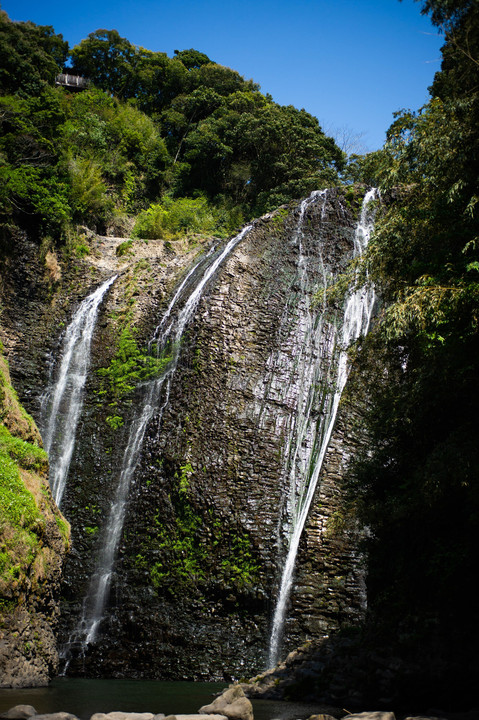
(155, 399)
(356, 319)
(64, 400)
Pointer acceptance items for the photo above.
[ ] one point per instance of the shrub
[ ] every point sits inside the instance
(176, 217)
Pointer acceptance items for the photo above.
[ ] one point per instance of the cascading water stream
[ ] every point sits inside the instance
(64, 400)
(155, 399)
(355, 322)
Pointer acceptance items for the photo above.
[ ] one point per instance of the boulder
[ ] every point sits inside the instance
(378, 715)
(56, 716)
(232, 703)
(206, 716)
(322, 716)
(119, 715)
(19, 712)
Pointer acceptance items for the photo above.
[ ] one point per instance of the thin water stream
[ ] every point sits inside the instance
(309, 439)
(155, 396)
(63, 401)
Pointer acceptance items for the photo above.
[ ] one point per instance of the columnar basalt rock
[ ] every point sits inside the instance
(195, 581)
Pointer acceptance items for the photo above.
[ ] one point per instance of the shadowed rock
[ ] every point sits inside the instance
(19, 712)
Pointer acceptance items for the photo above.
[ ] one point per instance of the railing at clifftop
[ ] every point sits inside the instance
(76, 82)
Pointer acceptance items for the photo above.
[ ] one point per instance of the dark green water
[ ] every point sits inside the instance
(85, 697)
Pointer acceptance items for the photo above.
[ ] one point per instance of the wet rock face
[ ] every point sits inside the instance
(33, 542)
(28, 649)
(196, 578)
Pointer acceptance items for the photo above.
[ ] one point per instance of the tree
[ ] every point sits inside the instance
(158, 81)
(261, 153)
(449, 12)
(108, 60)
(30, 56)
(32, 191)
(192, 58)
(419, 485)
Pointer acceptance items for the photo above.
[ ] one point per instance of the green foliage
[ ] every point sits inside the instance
(122, 143)
(88, 191)
(176, 217)
(124, 248)
(30, 56)
(21, 523)
(147, 126)
(30, 188)
(240, 566)
(28, 456)
(108, 60)
(25, 502)
(151, 223)
(128, 367)
(418, 488)
(114, 421)
(365, 169)
(186, 556)
(192, 58)
(225, 138)
(189, 562)
(17, 504)
(447, 13)
(192, 559)
(63, 526)
(258, 152)
(81, 250)
(184, 479)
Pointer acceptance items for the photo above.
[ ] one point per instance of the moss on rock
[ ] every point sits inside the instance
(34, 537)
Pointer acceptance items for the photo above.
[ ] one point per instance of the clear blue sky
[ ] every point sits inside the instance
(351, 63)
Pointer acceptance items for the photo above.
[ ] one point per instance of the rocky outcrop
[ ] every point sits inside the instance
(33, 541)
(200, 559)
(199, 563)
(354, 670)
(232, 703)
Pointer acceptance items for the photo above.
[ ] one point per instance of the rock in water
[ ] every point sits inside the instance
(232, 703)
(19, 712)
(56, 716)
(119, 715)
(379, 715)
(196, 717)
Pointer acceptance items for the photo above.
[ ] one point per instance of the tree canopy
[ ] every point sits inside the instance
(149, 126)
(419, 486)
(30, 56)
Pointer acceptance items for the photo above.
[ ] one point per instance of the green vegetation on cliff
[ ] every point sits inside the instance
(128, 367)
(25, 501)
(418, 486)
(182, 136)
(198, 553)
(21, 523)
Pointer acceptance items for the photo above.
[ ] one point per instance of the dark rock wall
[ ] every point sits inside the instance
(33, 540)
(199, 564)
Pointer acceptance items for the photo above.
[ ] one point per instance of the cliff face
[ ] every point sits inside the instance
(206, 524)
(33, 539)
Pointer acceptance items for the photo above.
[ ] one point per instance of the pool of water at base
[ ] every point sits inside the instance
(83, 698)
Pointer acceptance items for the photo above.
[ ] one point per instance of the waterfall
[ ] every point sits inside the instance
(309, 438)
(155, 396)
(64, 399)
